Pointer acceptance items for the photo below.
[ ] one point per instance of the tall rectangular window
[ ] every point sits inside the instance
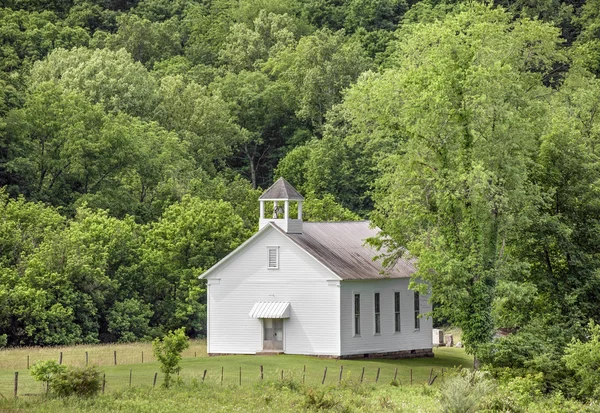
(377, 313)
(273, 258)
(357, 314)
(417, 319)
(397, 312)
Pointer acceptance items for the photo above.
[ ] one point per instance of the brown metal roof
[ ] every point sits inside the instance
(340, 246)
(282, 189)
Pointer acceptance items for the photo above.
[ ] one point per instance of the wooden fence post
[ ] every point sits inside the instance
(240, 376)
(86, 359)
(281, 374)
(377, 378)
(103, 382)
(194, 354)
(411, 377)
(395, 373)
(222, 375)
(203, 376)
(341, 373)
(155, 376)
(130, 371)
(362, 375)
(324, 375)
(261, 372)
(60, 358)
(142, 357)
(28, 362)
(115, 357)
(303, 374)
(430, 374)
(16, 383)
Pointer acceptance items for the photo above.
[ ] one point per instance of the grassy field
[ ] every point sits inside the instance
(195, 361)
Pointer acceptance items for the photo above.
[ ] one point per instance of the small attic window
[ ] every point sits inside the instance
(273, 258)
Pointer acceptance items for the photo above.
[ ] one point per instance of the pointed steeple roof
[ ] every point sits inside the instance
(281, 190)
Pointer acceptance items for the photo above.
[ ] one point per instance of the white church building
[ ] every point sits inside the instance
(312, 288)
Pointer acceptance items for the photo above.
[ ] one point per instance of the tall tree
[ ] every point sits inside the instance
(469, 102)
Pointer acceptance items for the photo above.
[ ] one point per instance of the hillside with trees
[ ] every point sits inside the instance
(136, 137)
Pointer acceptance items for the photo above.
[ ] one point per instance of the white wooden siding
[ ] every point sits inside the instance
(312, 291)
(407, 339)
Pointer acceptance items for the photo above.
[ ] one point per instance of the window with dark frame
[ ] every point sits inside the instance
(377, 314)
(417, 318)
(397, 312)
(357, 314)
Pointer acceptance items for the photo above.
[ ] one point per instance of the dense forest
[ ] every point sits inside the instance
(135, 138)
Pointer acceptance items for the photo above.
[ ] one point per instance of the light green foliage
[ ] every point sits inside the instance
(110, 78)
(46, 372)
(191, 236)
(237, 191)
(23, 226)
(317, 70)
(147, 42)
(200, 118)
(66, 151)
(468, 112)
(325, 209)
(464, 391)
(168, 352)
(205, 26)
(249, 47)
(583, 357)
(330, 165)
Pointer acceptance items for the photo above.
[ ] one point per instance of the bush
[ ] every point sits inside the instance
(464, 390)
(46, 371)
(583, 358)
(76, 381)
(67, 381)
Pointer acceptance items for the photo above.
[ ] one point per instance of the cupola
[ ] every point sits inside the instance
(276, 201)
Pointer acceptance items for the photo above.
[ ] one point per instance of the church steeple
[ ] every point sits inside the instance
(280, 194)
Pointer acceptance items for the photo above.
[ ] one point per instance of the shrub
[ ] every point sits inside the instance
(464, 391)
(77, 381)
(46, 371)
(584, 359)
(168, 352)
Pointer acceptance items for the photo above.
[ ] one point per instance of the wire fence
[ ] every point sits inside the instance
(22, 383)
(93, 355)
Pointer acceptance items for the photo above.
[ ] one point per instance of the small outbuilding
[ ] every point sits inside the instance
(312, 288)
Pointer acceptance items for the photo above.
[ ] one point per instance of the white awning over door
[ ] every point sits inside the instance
(270, 310)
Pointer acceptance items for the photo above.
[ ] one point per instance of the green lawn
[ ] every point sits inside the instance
(117, 377)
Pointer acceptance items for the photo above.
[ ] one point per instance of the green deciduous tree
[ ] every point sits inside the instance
(111, 78)
(468, 107)
(168, 352)
(191, 236)
(147, 42)
(317, 70)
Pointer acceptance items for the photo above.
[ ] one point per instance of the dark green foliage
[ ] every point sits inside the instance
(77, 381)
